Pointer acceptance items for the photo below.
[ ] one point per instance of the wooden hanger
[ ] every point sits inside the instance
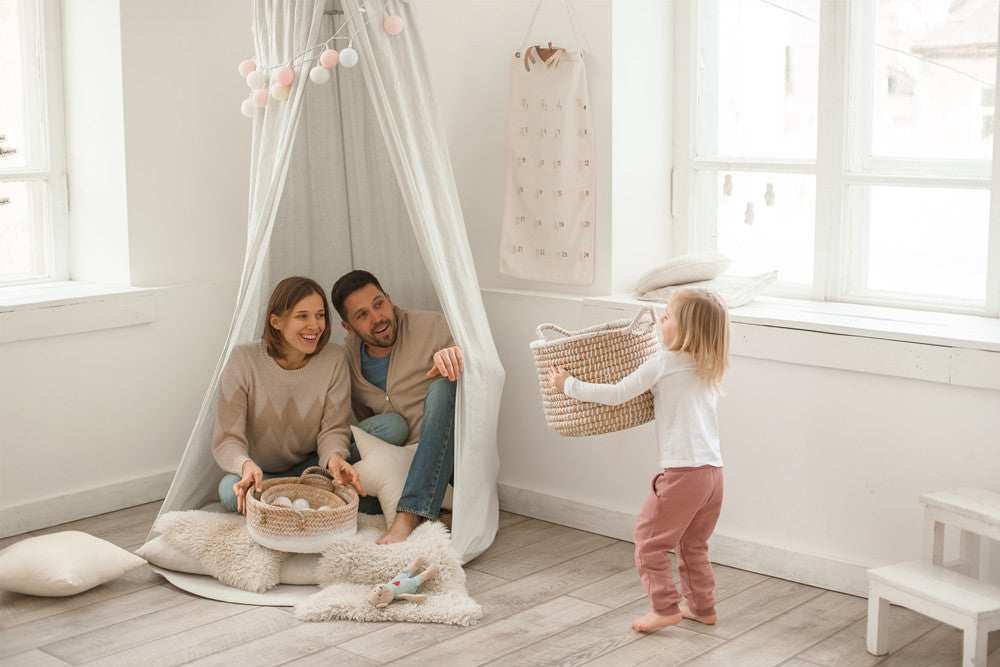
(548, 56)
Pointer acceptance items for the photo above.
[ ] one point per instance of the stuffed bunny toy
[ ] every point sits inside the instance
(404, 586)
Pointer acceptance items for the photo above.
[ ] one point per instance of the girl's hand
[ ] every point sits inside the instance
(344, 473)
(252, 476)
(557, 377)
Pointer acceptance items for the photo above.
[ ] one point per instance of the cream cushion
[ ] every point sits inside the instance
(734, 290)
(383, 468)
(683, 269)
(62, 564)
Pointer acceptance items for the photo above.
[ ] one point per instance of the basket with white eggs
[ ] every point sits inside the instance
(305, 514)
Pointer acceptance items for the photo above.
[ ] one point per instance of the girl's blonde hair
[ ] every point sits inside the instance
(702, 330)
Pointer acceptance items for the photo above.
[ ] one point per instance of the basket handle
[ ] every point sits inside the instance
(646, 310)
(314, 470)
(553, 327)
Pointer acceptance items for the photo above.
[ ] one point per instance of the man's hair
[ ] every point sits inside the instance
(286, 295)
(348, 284)
(703, 331)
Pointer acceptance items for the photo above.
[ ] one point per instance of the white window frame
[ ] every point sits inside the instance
(41, 37)
(839, 162)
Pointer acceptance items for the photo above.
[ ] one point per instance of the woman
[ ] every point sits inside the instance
(284, 400)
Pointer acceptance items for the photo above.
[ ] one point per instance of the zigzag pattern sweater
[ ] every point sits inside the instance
(277, 418)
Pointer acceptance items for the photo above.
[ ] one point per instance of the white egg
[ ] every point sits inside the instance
(301, 503)
(323, 507)
(284, 501)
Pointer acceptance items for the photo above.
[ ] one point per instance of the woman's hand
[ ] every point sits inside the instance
(557, 377)
(252, 476)
(344, 473)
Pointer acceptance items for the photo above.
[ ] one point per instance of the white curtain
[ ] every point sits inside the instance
(350, 174)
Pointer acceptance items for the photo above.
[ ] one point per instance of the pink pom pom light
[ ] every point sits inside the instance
(329, 58)
(284, 75)
(260, 97)
(246, 67)
(393, 25)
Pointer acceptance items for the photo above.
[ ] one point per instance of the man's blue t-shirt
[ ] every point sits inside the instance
(374, 369)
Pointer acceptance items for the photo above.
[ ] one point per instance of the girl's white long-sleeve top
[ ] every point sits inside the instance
(687, 428)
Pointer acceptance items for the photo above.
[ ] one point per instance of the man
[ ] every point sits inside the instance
(403, 364)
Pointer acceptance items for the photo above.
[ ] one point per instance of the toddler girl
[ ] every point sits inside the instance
(683, 508)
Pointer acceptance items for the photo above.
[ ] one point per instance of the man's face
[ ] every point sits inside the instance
(371, 317)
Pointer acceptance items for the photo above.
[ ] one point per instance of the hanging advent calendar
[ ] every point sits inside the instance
(548, 223)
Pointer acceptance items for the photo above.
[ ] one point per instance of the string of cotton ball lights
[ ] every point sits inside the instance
(282, 76)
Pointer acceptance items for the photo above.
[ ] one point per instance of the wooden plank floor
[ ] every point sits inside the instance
(551, 595)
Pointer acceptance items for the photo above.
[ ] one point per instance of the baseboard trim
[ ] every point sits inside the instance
(17, 519)
(811, 569)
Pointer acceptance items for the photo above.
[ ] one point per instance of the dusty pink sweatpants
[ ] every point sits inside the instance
(679, 515)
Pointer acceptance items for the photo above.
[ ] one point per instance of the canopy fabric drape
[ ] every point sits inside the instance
(350, 174)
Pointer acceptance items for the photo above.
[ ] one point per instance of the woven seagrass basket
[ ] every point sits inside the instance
(302, 530)
(605, 354)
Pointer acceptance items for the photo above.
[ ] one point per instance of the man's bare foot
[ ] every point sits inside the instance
(401, 527)
(652, 620)
(445, 518)
(707, 620)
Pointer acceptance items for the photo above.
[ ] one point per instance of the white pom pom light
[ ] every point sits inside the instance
(348, 57)
(319, 74)
(256, 79)
(248, 108)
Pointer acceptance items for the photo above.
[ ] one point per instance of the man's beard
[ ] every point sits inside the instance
(372, 341)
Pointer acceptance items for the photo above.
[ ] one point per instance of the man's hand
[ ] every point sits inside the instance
(447, 363)
(252, 476)
(557, 377)
(344, 473)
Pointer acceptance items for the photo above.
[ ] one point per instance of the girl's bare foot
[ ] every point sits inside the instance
(707, 620)
(401, 527)
(652, 620)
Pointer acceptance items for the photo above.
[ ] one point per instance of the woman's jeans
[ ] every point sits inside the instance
(432, 466)
(389, 427)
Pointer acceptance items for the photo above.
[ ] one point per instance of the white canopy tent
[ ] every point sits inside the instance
(355, 173)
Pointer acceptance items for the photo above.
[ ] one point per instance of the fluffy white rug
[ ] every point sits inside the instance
(221, 543)
(349, 570)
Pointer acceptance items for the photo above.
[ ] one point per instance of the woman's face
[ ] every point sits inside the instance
(301, 326)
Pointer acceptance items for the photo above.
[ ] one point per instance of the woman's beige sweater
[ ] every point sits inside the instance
(277, 418)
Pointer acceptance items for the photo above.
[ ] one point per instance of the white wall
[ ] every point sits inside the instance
(824, 466)
(159, 162)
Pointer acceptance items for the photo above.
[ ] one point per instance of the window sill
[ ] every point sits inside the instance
(60, 308)
(938, 347)
(961, 350)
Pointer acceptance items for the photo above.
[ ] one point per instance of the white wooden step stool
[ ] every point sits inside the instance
(931, 588)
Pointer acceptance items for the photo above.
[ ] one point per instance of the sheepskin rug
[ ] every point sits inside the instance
(352, 567)
(221, 543)
(346, 571)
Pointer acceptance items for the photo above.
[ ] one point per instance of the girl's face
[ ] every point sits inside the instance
(301, 326)
(668, 325)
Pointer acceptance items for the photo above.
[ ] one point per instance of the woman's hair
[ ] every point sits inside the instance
(284, 297)
(702, 330)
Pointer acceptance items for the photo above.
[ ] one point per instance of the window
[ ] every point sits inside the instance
(32, 164)
(848, 144)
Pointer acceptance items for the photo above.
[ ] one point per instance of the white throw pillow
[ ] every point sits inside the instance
(383, 468)
(734, 290)
(683, 269)
(62, 564)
